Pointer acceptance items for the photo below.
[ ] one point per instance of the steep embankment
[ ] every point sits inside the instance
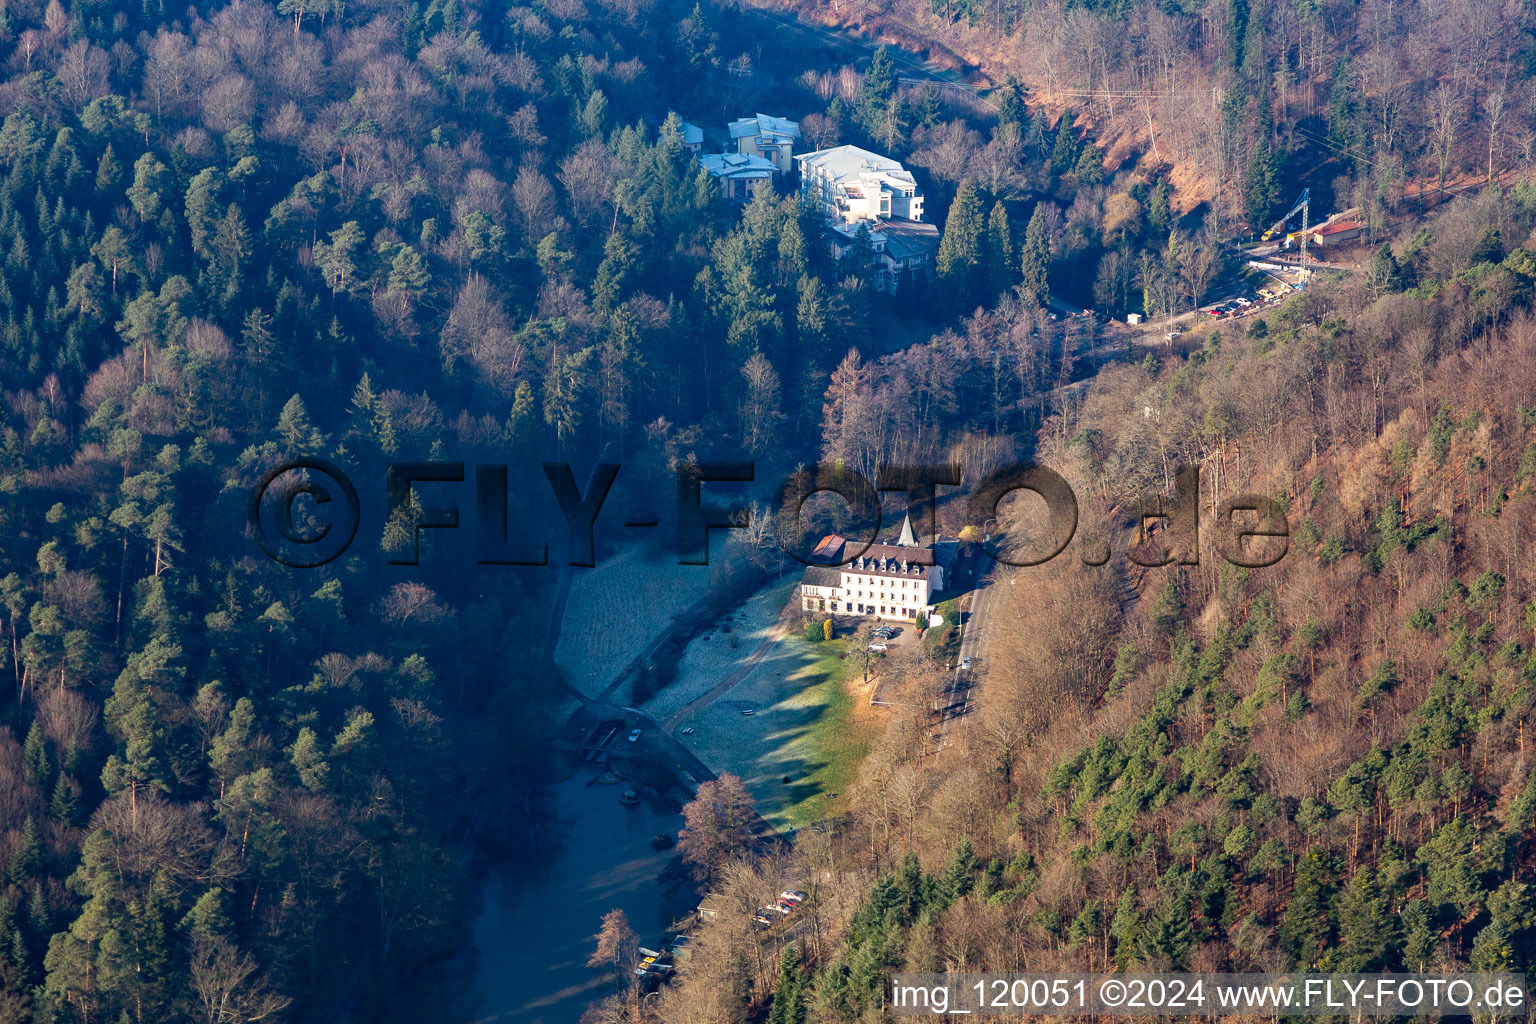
(1127, 128)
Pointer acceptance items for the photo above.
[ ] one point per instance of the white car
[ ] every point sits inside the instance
(634, 734)
(792, 895)
(965, 664)
(878, 647)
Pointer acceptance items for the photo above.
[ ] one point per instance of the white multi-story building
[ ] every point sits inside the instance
(885, 581)
(852, 184)
(772, 138)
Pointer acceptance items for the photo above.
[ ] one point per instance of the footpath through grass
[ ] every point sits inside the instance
(803, 728)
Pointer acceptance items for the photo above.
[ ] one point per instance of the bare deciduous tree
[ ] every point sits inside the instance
(1443, 121)
(229, 988)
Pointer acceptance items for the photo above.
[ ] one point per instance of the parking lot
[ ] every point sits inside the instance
(885, 638)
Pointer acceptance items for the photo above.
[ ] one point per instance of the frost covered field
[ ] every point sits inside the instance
(616, 609)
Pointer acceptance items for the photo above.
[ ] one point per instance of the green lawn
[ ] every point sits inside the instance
(803, 727)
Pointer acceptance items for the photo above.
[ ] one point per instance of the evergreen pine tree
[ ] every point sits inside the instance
(36, 766)
(960, 250)
(788, 995)
(1127, 928)
(1035, 259)
(927, 111)
(1386, 274)
(1262, 191)
(1491, 950)
(1306, 928)
(1064, 149)
(64, 806)
(999, 259)
(1419, 936)
(1172, 934)
(1011, 111)
(1236, 32)
(912, 886)
(959, 874)
(108, 171)
(1367, 928)
(296, 431)
(27, 860)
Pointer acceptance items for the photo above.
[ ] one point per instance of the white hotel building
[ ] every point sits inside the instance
(886, 581)
(852, 184)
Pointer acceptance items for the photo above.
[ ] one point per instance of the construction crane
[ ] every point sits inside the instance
(1303, 206)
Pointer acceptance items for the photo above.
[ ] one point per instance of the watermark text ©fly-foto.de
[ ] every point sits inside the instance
(1251, 529)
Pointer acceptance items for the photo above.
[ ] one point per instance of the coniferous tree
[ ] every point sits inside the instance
(961, 270)
(1367, 927)
(789, 993)
(1128, 929)
(1262, 192)
(959, 874)
(34, 752)
(1035, 259)
(1307, 926)
(27, 859)
(1000, 262)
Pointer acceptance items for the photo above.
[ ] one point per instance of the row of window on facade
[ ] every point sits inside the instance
(859, 608)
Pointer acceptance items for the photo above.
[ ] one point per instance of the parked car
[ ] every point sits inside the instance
(761, 917)
(1243, 300)
(794, 895)
(634, 734)
(878, 647)
(1216, 311)
(965, 664)
(781, 907)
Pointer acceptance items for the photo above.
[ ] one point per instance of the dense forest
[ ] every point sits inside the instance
(1324, 764)
(243, 233)
(1320, 765)
(378, 231)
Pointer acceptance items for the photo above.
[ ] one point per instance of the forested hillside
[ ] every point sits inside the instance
(1322, 764)
(238, 233)
(1234, 99)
